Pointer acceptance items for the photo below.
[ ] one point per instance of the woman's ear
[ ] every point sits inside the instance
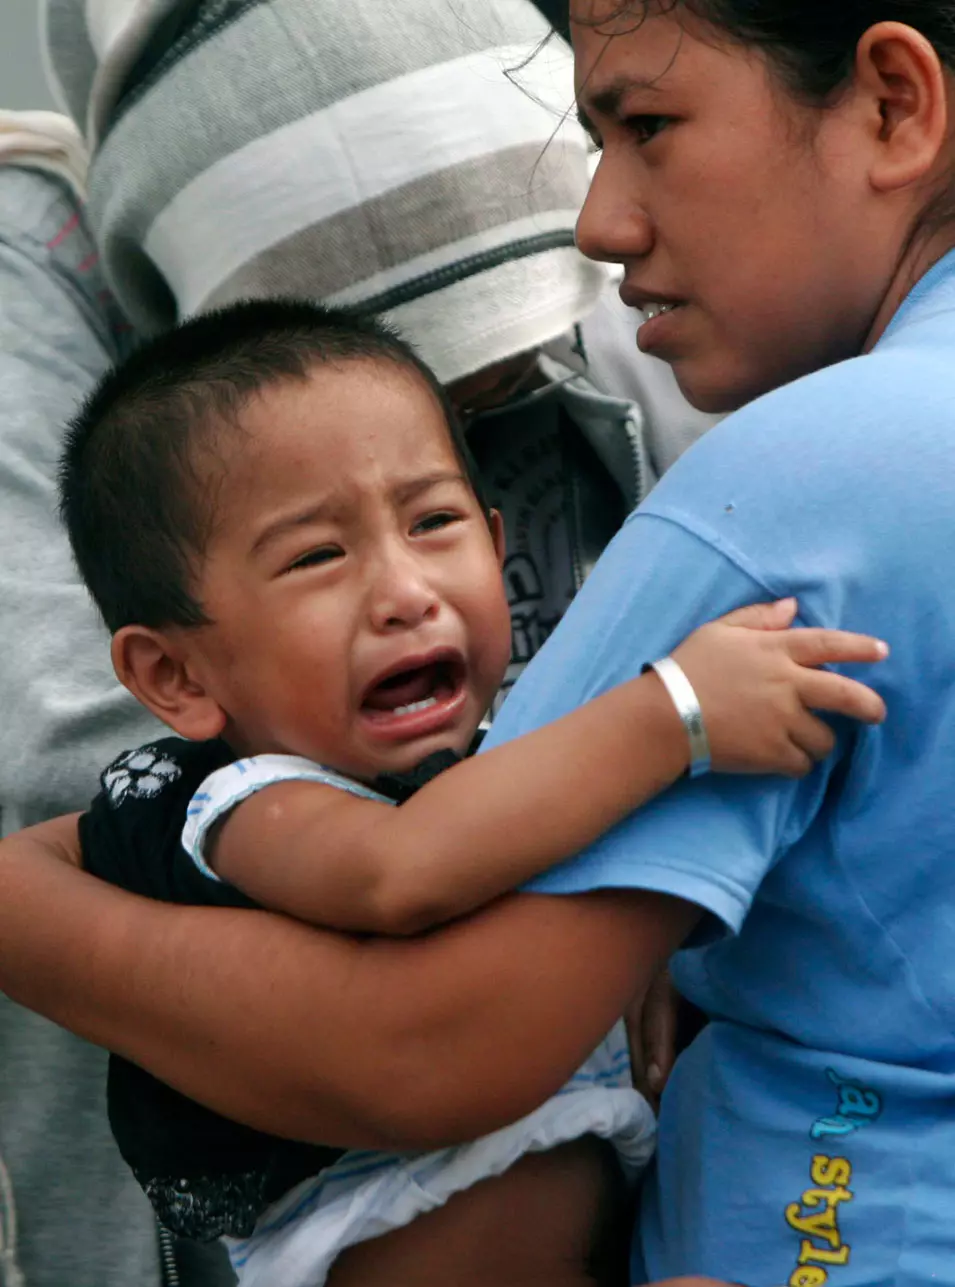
(903, 77)
(498, 535)
(157, 670)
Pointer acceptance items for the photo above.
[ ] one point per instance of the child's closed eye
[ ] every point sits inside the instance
(316, 557)
(436, 521)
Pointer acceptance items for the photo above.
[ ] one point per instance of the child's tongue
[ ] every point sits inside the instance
(401, 690)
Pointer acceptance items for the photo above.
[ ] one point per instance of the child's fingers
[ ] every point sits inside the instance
(814, 736)
(798, 762)
(821, 690)
(763, 616)
(815, 646)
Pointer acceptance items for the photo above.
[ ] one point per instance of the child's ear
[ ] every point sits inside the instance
(496, 524)
(158, 672)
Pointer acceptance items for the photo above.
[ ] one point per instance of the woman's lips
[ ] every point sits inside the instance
(661, 325)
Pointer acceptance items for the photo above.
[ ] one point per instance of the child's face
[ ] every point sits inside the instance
(352, 582)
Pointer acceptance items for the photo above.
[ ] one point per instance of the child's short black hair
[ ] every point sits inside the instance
(136, 505)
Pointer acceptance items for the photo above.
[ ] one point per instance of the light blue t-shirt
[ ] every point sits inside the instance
(808, 1135)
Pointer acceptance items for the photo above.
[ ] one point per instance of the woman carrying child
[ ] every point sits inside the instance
(317, 607)
(340, 176)
(775, 182)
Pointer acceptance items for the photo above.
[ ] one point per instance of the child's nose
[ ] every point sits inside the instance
(402, 596)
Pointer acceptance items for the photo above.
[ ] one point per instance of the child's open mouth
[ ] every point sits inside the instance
(419, 698)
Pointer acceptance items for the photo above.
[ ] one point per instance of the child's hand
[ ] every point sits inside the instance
(757, 686)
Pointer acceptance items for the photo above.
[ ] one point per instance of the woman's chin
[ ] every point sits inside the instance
(716, 391)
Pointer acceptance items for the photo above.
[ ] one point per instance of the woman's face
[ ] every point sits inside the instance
(749, 213)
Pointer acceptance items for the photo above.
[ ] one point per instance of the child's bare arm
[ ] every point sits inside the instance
(494, 821)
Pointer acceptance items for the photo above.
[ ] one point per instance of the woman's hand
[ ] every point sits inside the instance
(758, 684)
(651, 1023)
(659, 1027)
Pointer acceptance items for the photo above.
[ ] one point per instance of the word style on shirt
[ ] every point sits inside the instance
(815, 1217)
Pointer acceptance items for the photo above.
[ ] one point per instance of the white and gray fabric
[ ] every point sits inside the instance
(413, 160)
(44, 141)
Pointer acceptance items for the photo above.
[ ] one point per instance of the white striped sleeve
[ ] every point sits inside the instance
(223, 790)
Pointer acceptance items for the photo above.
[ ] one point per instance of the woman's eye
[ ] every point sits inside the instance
(324, 554)
(646, 127)
(434, 522)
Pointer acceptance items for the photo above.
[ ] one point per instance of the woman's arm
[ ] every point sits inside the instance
(322, 1037)
(493, 822)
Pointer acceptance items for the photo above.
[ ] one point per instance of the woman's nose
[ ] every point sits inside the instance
(402, 596)
(613, 225)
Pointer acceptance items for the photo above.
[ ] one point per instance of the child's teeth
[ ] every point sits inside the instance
(415, 706)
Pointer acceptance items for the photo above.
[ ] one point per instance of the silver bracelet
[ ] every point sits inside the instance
(688, 708)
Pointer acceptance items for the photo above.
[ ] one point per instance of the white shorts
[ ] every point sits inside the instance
(367, 1194)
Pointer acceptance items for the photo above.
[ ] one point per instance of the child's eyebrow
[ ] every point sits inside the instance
(402, 493)
(288, 522)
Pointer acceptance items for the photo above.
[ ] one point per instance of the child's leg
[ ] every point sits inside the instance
(557, 1219)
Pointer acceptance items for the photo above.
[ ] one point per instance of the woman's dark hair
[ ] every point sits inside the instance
(812, 43)
(555, 11)
(137, 506)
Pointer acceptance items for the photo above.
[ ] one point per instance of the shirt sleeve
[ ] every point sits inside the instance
(131, 834)
(712, 840)
(219, 793)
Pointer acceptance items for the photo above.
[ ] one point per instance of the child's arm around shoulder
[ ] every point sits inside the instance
(494, 821)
